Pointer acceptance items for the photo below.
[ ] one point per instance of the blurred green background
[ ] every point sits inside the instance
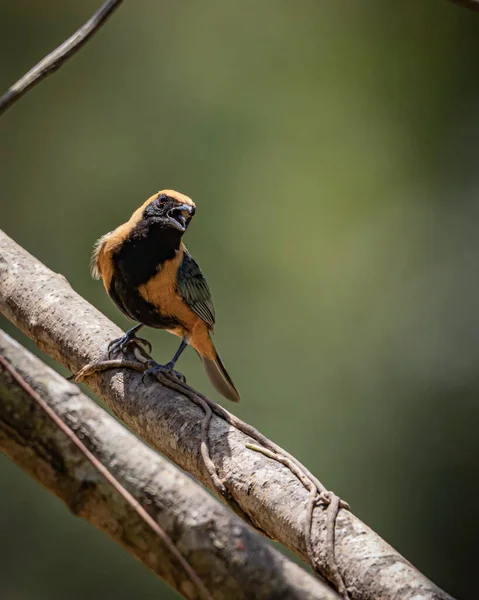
(331, 149)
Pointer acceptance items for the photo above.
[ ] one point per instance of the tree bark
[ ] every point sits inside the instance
(44, 306)
(231, 559)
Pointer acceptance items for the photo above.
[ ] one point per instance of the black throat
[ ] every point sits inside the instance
(144, 251)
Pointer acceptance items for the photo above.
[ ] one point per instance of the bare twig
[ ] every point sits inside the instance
(55, 59)
(470, 4)
(105, 365)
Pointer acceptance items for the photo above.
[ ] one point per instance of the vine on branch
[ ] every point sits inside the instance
(318, 494)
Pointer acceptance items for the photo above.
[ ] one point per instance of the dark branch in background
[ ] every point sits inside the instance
(44, 306)
(55, 59)
(470, 4)
(131, 500)
(46, 424)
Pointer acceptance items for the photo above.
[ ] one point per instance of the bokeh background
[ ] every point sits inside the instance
(331, 148)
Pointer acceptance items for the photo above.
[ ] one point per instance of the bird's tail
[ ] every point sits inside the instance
(219, 377)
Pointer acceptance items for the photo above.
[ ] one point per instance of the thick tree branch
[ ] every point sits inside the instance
(43, 305)
(55, 59)
(231, 560)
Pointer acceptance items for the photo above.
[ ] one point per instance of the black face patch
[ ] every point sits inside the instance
(158, 207)
(167, 212)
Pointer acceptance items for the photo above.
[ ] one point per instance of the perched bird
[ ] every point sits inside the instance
(152, 278)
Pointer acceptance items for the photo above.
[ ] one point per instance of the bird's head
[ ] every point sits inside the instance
(169, 210)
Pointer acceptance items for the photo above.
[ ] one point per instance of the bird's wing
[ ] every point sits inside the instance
(194, 290)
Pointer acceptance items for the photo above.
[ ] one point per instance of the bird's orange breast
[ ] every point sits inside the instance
(161, 291)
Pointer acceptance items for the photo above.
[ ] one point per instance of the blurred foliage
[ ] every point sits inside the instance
(331, 150)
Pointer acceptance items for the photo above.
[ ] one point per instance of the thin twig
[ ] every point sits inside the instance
(55, 59)
(105, 365)
(332, 514)
(252, 432)
(308, 484)
(470, 4)
(286, 462)
(130, 499)
(204, 446)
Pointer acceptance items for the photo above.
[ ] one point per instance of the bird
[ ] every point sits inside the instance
(153, 279)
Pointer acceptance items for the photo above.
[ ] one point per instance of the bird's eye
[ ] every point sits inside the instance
(162, 198)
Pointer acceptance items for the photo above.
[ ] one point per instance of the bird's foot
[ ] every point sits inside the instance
(154, 368)
(121, 344)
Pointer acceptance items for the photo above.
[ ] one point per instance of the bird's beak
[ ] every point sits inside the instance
(180, 215)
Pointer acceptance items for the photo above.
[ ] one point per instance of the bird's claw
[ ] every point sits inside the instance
(121, 344)
(154, 368)
(117, 344)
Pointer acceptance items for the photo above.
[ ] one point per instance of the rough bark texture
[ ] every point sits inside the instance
(44, 306)
(232, 560)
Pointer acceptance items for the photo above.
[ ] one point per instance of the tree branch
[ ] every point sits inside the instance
(470, 4)
(43, 305)
(55, 59)
(225, 555)
(15, 376)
